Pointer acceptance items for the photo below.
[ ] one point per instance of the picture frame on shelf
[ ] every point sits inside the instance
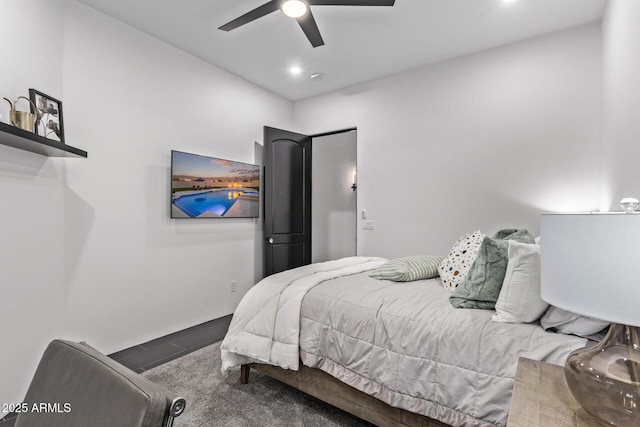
(49, 111)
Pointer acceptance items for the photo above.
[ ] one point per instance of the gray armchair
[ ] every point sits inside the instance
(77, 386)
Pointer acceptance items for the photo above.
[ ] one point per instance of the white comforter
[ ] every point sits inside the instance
(266, 325)
(406, 345)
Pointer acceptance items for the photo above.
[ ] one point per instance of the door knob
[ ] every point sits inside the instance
(270, 241)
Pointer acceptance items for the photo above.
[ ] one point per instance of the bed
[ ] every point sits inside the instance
(391, 353)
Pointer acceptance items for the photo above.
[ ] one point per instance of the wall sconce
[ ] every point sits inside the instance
(354, 184)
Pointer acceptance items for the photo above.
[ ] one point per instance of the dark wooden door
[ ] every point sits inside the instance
(287, 200)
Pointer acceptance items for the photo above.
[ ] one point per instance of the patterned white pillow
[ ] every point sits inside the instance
(456, 265)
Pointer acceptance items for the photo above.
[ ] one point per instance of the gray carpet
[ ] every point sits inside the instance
(221, 401)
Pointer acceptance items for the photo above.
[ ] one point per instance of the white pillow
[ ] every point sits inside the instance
(520, 300)
(566, 322)
(456, 265)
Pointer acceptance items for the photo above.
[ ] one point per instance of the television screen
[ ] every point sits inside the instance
(208, 187)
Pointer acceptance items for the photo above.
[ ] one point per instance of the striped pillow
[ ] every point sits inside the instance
(409, 268)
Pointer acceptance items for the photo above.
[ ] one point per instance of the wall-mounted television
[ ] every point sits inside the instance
(209, 187)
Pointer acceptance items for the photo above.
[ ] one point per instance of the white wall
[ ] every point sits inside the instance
(333, 202)
(32, 191)
(488, 140)
(621, 127)
(88, 251)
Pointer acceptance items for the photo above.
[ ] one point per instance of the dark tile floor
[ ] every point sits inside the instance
(161, 350)
(156, 352)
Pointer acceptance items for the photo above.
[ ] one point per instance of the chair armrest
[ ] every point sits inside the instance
(76, 385)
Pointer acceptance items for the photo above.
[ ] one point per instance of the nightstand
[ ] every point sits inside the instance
(542, 398)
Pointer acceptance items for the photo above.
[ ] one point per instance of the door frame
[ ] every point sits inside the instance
(335, 132)
(264, 206)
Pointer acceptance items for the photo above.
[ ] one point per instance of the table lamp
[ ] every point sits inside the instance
(590, 265)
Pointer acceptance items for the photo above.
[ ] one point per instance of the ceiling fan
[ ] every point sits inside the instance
(300, 10)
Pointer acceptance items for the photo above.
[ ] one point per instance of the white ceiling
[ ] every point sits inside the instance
(361, 43)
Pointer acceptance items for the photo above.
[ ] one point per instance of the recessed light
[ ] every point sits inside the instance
(295, 70)
(294, 8)
(509, 1)
(316, 76)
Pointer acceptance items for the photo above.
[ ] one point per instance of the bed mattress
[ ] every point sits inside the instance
(406, 345)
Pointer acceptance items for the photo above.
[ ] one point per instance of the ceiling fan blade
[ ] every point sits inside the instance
(351, 2)
(256, 13)
(310, 28)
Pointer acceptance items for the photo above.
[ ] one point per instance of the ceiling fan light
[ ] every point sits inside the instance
(294, 8)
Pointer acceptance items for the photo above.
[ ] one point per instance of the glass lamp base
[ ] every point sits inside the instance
(604, 379)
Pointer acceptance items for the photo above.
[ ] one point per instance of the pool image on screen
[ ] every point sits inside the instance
(209, 187)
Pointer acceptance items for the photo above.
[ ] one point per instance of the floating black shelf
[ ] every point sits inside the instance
(29, 141)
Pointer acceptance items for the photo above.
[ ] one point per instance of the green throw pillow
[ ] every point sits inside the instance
(481, 286)
(408, 269)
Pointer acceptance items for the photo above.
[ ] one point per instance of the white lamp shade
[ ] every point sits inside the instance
(590, 264)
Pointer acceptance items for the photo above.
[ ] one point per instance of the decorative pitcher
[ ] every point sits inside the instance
(23, 119)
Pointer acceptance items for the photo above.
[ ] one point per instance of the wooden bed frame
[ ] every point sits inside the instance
(323, 386)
